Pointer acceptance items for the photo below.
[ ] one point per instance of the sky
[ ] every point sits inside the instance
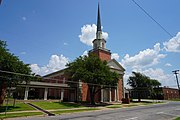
(47, 34)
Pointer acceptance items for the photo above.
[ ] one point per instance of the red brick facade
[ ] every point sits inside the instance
(102, 54)
(170, 93)
(86, 94)
(120, 89)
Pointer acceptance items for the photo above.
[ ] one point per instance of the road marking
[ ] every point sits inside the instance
(133, 118)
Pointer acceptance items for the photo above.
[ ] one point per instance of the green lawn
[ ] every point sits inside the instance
(122, 105)
(114, 106)
(176, 99)
(72, 111)
(13, 115)
(20, 106)
(48, 105)
(130, 105)
(178, 118)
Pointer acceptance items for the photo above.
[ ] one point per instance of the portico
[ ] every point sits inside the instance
(45, 87)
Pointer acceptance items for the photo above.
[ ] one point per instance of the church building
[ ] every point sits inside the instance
(55, 85)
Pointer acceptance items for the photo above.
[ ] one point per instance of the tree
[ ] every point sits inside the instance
(91, 70)
(11, 63)
(141, 83)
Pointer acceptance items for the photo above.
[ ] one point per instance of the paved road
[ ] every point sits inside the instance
(154, 112)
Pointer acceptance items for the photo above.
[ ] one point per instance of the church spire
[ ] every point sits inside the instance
(99, 31)
(99, 43)
(98, 20)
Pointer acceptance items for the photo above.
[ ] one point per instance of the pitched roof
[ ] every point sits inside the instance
(115, 65)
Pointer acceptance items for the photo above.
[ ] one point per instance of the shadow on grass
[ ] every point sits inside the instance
(3, 108)
(82, 104)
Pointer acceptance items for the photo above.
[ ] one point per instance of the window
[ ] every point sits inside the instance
(95, 45)
(102, 45)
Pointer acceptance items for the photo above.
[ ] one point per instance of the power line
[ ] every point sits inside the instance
(49, 78)
(176, 73)
(163, 28)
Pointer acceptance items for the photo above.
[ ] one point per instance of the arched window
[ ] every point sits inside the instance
(102, 45)
(95, 45)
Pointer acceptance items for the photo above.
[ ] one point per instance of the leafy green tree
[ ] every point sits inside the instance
(141, 83)
(91, 70)
(11, 63)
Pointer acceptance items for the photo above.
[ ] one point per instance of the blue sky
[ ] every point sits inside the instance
(47, 34)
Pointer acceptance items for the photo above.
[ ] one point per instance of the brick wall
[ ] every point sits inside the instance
(103, 55)
(86, 94)
(120, 89)
(170, 93)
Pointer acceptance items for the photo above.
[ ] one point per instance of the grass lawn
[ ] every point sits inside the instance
(178, 118)
(13, 115)
(130, 105)
(20, 106)
(176, 99)
(122, 105)
(48, 105)
(73, 111)
(114, 106)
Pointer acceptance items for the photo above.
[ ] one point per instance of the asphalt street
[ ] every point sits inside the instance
(166, 111)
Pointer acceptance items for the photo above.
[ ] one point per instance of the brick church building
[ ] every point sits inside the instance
(55, 85)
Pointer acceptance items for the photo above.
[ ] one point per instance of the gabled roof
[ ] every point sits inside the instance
(56, 73)
(115, 65)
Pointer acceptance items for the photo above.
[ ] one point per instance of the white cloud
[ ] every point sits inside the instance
(23, 53)
(173, 45)
(168, 65)
(85, 53)
(145, 58)
(88, 34)
(24, 18)
(163, 78)
(115, 56)
(65, 43)
(157, 74)
(56, 63)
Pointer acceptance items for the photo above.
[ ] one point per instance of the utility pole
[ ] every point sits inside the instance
(176, 73)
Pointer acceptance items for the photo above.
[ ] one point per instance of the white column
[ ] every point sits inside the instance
(62, 94)
(26, 93)
(64, 79)
(45, 93)
(115, 94)
(62, 90)
(110, 95)
(102, 95)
